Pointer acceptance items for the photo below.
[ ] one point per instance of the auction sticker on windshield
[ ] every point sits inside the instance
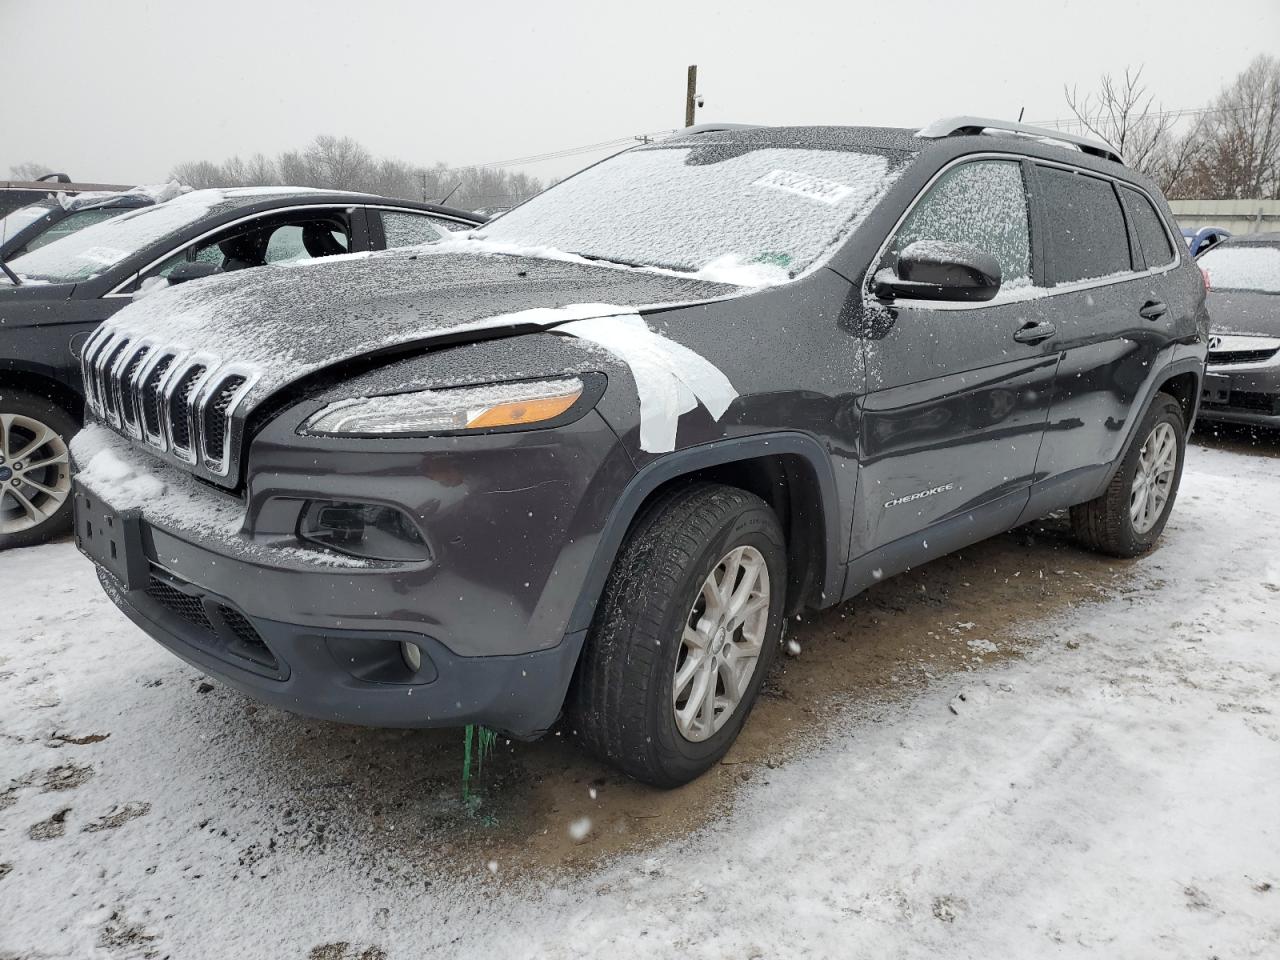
(803, 185)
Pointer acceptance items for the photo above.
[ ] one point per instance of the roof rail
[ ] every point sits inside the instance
(712, 128)
(961, 126)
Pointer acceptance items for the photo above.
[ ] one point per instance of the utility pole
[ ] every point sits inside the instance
(691, 93)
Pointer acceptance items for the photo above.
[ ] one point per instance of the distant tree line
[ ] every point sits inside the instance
(341, 163)
(1229, 150)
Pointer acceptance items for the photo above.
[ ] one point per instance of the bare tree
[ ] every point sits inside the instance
(199, 174)
(1240, 133)
(29, 171)
(341, 163)
(1120, 112)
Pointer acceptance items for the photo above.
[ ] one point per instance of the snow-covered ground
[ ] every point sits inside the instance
(1115, 794)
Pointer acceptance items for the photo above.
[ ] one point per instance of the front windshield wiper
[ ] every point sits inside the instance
(13, 277)
(599, 259)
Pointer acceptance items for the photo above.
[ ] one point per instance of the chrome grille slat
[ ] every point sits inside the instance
(177, 402)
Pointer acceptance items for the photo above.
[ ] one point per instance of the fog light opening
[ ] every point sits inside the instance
(412, 655)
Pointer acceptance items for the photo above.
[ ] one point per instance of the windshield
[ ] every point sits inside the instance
(1243, 267)
(686, 207)
(23, 217)
(97, 248)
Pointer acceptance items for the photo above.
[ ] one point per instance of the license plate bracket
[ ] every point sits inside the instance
(112, 539)
(1216, 389)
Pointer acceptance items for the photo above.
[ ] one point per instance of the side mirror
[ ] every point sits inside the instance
(192, 271)
(937, 270)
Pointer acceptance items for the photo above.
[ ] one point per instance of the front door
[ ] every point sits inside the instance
(957, 393)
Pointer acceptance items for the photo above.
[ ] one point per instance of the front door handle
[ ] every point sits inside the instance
(1153, 310)
(1035, 332)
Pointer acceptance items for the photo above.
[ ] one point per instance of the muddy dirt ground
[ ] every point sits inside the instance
(365, 788)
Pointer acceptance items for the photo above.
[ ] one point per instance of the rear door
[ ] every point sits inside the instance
(1114, 320)
(956, 405)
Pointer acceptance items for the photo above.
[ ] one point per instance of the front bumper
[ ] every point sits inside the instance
(223, 585)
(1245, 392)
(350, 676)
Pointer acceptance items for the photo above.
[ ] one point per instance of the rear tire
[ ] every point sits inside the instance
(1129, 516)
(34, 434)
(667, 677)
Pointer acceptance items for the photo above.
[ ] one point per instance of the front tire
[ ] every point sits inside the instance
(35, 469)
(1129, 516)
(686, 630)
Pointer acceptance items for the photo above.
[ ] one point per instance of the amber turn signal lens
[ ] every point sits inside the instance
(521, 412)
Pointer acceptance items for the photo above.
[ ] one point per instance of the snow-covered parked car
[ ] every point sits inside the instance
(59, 215)
(1242, 384)
(53, 296)
(589, 458)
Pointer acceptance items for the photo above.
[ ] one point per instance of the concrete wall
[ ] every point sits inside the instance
(1235, 216)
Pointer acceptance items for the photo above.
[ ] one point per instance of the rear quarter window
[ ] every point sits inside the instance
(1152, 236)
(1086, 229)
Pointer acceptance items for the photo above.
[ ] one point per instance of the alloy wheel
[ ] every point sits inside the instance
(721, 643)
(35, 474)
(1153, 480)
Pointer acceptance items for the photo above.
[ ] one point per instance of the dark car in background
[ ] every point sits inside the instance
(63, 290)
(20, 193)
(1242, 384)
(489, 482)
(59, 215)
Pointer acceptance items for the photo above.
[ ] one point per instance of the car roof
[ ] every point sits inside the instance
(967, 138)
(252, 199)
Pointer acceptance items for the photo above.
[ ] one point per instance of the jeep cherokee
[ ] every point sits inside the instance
(588, 458)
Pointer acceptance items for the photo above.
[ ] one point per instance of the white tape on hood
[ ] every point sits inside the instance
(670, 378)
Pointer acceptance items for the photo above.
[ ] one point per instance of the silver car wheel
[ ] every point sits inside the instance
(35, 473)
(721, 643)
(1153, 480)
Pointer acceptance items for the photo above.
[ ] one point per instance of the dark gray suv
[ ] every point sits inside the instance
(587, 458)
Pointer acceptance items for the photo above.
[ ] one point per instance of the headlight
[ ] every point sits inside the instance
(459, 408)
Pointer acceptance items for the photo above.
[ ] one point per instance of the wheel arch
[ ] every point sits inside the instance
(1183, 386)
(790, 471)
(43, 384)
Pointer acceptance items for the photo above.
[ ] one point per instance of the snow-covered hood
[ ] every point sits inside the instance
(1244, 312)
(289, 321)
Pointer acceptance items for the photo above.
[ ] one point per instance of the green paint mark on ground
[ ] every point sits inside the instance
(477, 743)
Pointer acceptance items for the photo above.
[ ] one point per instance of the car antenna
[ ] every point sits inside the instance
(1021, 111)
(451, 193)
(16, 280)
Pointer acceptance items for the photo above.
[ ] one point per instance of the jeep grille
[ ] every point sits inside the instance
(177, 401)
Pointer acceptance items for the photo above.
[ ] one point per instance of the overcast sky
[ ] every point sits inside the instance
(120, 91)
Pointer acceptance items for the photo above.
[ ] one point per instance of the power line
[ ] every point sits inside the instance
(571, 151)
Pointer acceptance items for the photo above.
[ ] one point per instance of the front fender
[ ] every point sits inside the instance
(691, 460)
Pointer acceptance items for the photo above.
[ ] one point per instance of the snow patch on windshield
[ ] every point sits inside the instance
(1243, 268)
(686, 207)
(90, 251)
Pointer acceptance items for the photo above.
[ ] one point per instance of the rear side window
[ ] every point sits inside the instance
(1151, 233)
(981, 204)
(1086, 229)
(408, 229)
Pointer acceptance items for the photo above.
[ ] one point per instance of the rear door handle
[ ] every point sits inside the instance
(1035, 332)
(1153, 310)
